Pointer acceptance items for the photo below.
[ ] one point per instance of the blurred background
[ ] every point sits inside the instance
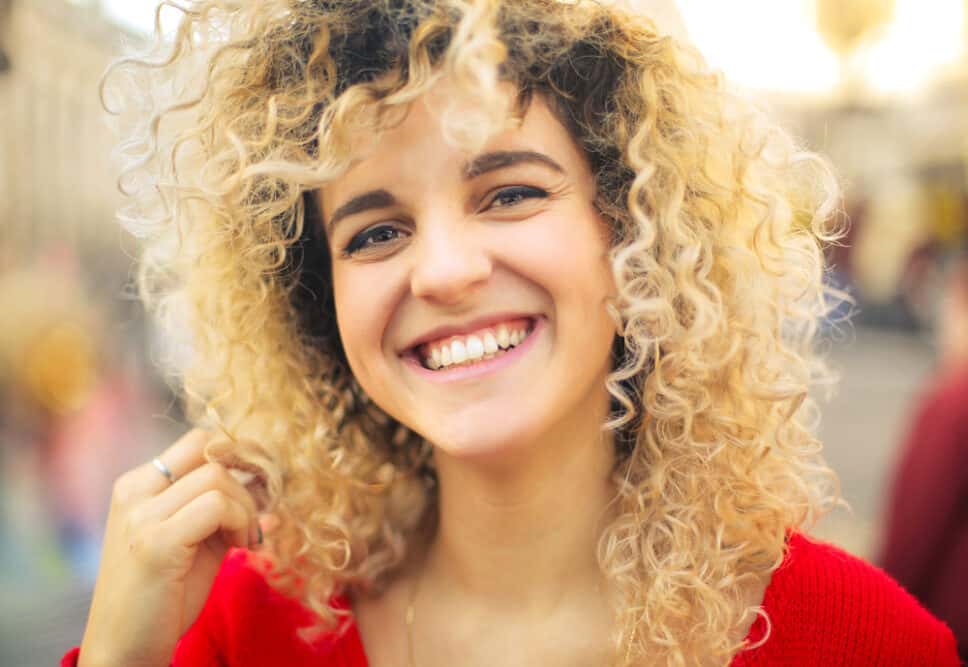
(878, 86)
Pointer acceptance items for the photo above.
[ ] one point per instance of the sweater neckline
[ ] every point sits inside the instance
(755, 634)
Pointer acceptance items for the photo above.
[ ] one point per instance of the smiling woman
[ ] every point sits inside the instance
(467, 252)
(503, 312)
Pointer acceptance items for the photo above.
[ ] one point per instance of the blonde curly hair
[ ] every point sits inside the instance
(718, 218)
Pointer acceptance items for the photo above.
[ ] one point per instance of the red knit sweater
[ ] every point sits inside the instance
(827, 608)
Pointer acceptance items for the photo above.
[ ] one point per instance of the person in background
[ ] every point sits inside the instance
(926, 535)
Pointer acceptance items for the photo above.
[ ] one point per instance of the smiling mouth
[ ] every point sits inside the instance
(487, 343)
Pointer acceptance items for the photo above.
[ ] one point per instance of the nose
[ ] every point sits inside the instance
(450, 264)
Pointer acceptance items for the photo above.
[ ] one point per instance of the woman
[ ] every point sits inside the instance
(505, 308)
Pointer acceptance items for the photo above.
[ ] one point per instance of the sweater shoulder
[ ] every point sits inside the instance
(246, 621)
(823, 602)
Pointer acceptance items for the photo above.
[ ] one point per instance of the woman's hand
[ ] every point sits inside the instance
(163, 545)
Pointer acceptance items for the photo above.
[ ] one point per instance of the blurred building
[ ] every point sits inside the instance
(78, 403)
(55, 170)
(881, 88)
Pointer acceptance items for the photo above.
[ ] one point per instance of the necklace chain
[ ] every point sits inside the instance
(409, 618)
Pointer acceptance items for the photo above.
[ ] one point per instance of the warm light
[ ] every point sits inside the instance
(763, 44)
(139, 15)
(924, 37)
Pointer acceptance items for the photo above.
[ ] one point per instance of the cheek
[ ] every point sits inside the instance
(360, 316)
(569, 257)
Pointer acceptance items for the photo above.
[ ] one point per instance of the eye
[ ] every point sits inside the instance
(371, 238)
(515, 195)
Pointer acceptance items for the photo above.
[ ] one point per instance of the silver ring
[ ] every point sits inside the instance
(163, 469)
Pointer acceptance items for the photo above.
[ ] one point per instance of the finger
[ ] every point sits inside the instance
(249, 475)
(208, 477)
(269, 523)
(205, 515)
(185, 455)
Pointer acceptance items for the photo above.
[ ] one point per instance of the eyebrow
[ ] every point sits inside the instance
(482, 164)
(364, 202)
(500, 159)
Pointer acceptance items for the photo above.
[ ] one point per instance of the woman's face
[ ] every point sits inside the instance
(443, 260)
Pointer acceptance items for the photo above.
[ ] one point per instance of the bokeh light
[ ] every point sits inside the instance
(922, 42)
(789, 56)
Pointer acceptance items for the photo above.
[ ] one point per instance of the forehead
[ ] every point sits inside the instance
(422, 144)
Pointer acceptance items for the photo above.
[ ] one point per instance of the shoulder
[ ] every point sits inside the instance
(945, 398)
(824, 604)
(245, 621)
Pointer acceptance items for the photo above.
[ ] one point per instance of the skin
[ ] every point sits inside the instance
(953, 320)
(523, 465)
(459, 255)
(163, 545)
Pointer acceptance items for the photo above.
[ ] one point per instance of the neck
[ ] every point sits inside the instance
(524, 533)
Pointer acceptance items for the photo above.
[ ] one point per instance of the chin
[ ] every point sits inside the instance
(482, 442)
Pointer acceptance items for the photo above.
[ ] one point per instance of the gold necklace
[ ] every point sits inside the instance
(409, 616)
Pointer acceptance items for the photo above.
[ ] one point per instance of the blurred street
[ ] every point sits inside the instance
(864, 424)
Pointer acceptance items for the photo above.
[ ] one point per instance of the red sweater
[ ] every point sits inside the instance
(827, 608)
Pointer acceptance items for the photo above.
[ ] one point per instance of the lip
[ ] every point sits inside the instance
(480, 368)
(465, 328)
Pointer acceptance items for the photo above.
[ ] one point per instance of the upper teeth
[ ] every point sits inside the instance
(482, 344)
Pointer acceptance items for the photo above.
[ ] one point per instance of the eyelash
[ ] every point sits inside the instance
(527, 192)
(361, 240)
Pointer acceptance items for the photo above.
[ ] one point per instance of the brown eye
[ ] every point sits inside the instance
(371, 238)
(515, 195)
